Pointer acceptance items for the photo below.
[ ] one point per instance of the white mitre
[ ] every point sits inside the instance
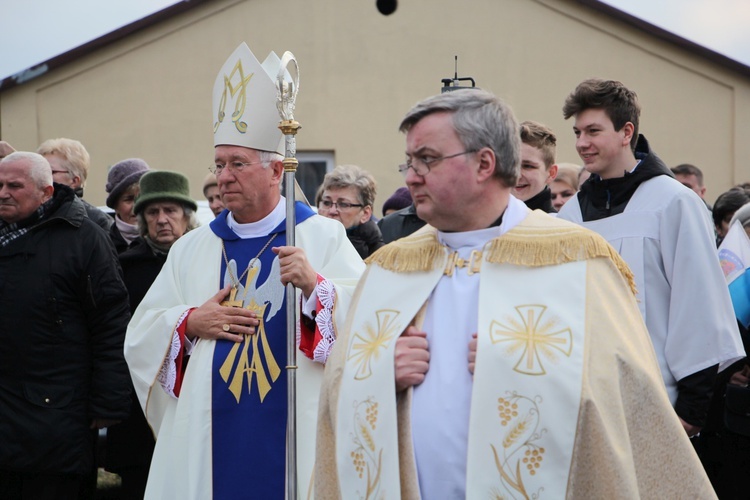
(244, 102)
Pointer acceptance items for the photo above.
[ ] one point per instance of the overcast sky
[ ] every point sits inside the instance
(720, 25)
(32, 31)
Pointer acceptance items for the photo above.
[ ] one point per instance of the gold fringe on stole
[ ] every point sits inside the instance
(526, 245)
(539, 240)
(420, 251)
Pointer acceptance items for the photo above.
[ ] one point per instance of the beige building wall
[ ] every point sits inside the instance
(149, 95)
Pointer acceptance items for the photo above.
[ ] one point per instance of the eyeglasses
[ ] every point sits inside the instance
(235, 166)
(60, 172)
(422, 164)
(340, 205)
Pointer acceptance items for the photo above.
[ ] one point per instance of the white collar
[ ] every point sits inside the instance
(515, 212)
(262, 227)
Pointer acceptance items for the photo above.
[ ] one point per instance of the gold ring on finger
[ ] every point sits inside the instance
(225, 327)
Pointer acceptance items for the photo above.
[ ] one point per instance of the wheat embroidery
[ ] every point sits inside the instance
(519, 453)
(366, 457)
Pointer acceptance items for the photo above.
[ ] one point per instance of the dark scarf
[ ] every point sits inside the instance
(13, 231)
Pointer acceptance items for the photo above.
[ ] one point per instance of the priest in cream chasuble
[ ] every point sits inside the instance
(497, 352)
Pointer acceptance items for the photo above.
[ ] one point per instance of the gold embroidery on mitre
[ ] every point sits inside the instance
(367, 456)
(241, 101)
(368, 346)
(519, 452)
(251, 367)
(541, 240)
(536, 339)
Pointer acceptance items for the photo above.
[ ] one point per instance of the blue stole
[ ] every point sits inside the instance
(248, 380)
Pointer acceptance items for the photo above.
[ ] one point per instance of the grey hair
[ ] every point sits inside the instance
(38, 167)
(345, 176)
(189, 213)
(480, 120)
(268, 157)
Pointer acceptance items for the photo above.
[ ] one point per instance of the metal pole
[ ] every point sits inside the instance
(287, 94)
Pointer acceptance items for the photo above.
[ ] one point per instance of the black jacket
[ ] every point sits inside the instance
(101, 219)
(365, 238)
(542, 201)
(400, 224)
(63, 316)
(600, 198)
(131, 443)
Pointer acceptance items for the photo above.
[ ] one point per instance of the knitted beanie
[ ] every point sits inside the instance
(163, 185)
(121, 176)
(401, 198)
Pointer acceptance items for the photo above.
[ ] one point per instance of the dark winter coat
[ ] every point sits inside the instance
(131, 443)
(63, 315)
(365, 238)
(400, 224)
(101, 218)
(542, 201)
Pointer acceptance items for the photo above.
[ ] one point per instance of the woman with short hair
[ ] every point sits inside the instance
(348, 195)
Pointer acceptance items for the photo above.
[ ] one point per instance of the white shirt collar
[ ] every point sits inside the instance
(262, 227)
(513, 215)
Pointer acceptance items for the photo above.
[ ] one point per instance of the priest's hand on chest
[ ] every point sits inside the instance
(412, 358)
(215, 321)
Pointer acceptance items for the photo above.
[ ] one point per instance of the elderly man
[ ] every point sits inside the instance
(70, 166)
(206, 346)
(64, 314)
(461, 373)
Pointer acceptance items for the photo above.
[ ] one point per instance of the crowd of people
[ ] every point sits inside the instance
(511, 325)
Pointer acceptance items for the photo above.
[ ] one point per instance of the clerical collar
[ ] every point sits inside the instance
(262, 227)
(513, 215)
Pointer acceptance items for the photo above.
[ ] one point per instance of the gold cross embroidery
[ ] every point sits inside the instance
(536, 339)
(368, 346)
